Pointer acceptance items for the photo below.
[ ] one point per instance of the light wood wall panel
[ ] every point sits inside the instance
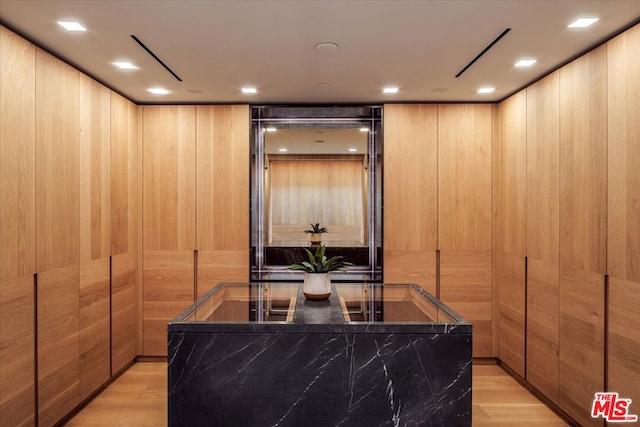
(58, 343)
(94, 324)
(126, 229)
(169, 190)
(168, 290)
(543, 204)
(624, 339)
(510, 229)
(623, 215)
(623, 136)
(123, 310)
(222, 136)
(58, 236)
(126, 158)
(169, 152)
(410, 197)
(94, 320)
(464, 177)
(464, 216)
(17, 229)
(583, 205)
(58, 155)
(465, 286)
(95, 141)
(329, 192)
(17, 357)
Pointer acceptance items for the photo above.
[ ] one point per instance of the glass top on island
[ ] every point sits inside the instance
(349, 303)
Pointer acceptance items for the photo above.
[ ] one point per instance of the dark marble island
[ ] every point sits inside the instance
(372, 355)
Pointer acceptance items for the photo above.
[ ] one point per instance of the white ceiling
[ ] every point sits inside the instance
(216, 47)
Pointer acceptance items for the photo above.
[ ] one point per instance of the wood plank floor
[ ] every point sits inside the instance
(139, 398)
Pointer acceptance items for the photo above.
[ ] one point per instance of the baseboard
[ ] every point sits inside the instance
(485, 361)
(151, 359)
(93, 395)
(538, 394)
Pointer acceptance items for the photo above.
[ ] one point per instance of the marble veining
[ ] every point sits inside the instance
(298, 374)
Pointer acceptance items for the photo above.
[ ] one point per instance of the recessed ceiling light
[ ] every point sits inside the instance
(353, 150)
(158, 90)
(249, 90)
(364, 129)
(282, 150)
(323, 84)
(326, 47)
(582, 22)
(72, 26)
(390, 89)
(270, 129)
(486, 89)
(123, 65)
(525, 63)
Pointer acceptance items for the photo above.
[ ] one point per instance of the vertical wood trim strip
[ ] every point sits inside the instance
(526, 314)
(438, 273)
(606, 333)
(35, 348)
(110, 317)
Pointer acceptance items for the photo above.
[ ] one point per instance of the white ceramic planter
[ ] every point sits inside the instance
(317, 286)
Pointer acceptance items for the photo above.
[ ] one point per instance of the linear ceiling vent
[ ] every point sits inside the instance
(486, 49)
(150, 52)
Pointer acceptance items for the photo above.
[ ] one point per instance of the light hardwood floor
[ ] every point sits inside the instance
(139, 399)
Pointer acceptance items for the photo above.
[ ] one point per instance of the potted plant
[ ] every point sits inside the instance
(316, 233)
(317, 282)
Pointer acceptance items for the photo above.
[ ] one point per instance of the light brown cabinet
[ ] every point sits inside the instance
(58, 237)
(17, 229)
(510, 231)
(464, 216)
(169, 189)
(222, 189)
(125, 200)
(543, 200)
(583, 206)
(623, 214)
(411, 194)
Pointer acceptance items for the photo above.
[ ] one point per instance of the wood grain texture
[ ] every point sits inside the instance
(411, 267)
(543, 164)
(94, 169)
(168, 284)
(17, 361)
(465, 286)
(511, 301)
(464, 177)
(223, 178)
(58, 302)
(410, 183)
(542, 326)
(94, 324)
(17, 229)
(583, 163)
(139, 397)
(124, 304)
(17, 157)
(624, 339)
(221, 266)
(623, 137)
(581, 342)
(583, 209)
(58, 155)
(510, 231)
(511, 174)
(169, 183)
(328, 192)
(126, 175)
(543, 205)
